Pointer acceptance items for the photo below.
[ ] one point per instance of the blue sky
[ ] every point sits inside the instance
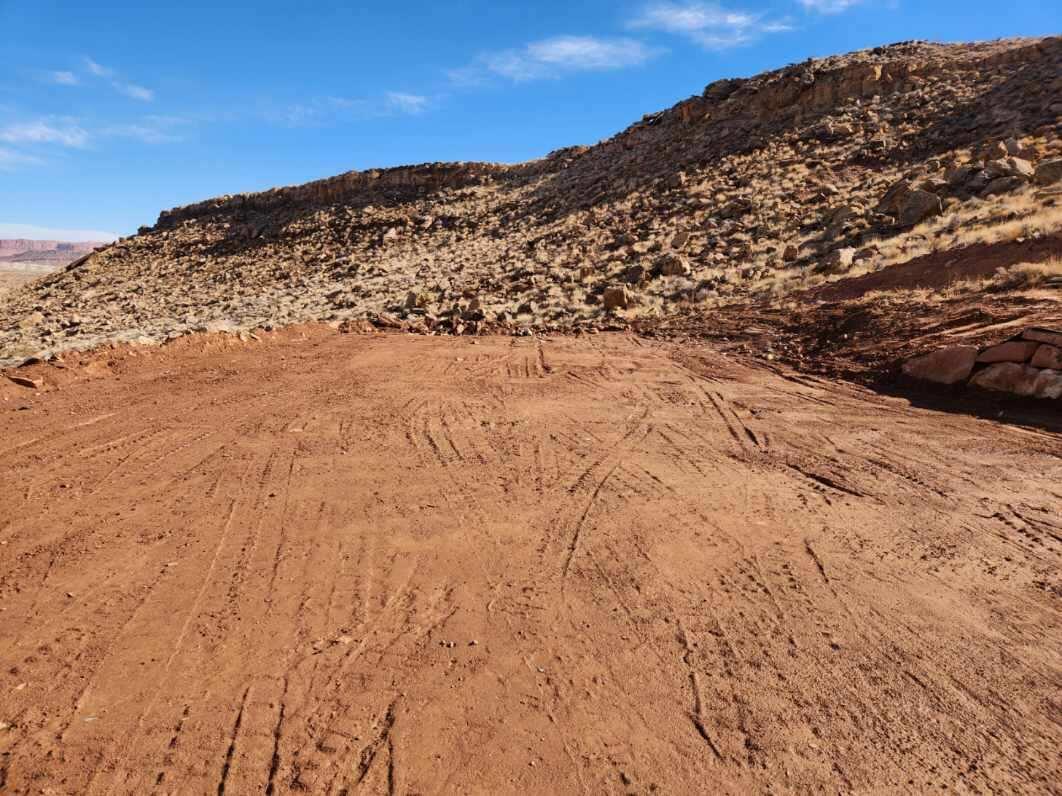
(112, 110)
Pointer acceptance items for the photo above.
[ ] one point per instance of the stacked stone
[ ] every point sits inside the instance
(1029, 365)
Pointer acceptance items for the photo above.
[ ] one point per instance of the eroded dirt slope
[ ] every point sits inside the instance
(356, 564)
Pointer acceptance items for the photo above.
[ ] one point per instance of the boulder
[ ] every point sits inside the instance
(978, 181)
(616, 297)
(1047, 356)
(891, 201)
(838, 260)
(1043, 336)
(676, 180)
(1014, 351)
(995, 150)
(959, 176)
(791, 253)
(947, 366)
(1049, 172)
(1048, 384)
(672, 265)
(917, 206)
(1010, 167)
(1002, 185)
(1008, 377)
(634, 275)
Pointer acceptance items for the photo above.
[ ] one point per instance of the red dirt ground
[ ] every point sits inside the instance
(334, 564)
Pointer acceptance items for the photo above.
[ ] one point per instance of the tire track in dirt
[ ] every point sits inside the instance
(414, 564)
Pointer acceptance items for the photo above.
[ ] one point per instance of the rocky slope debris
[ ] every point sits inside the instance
(807, 172)
(1029, 365)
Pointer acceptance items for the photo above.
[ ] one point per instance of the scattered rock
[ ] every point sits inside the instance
(1002, 185)
(387, 321)
(673, 265)
(1049, 172)
(1010, 167)
(616, 297)
(25, 381)
(917, 206)
(838, 261)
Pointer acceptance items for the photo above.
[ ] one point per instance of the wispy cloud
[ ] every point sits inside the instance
(132, 90)
(709, 24)
(412, 104)
(67, 134)
(10, 159)
(829, 6)
(554, 57)
(145, 133)
(135, 91)
(319, 111)
(98, 69)
(63, 78)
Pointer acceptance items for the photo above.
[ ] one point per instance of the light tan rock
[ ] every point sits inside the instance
(1010, 167)
(947, 366)
(1014, 351)
(1048, 384)
(838, 261)
(1007, 377)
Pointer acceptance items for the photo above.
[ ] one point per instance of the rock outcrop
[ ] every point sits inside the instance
(1029, 366)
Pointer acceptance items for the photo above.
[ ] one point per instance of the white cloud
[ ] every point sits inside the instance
(42, 132)
(131, 90)
(709, 24)
(10, 159)
(11, 230)
(555, 56)
(135, 91)
(318, 111)
(63, 78)
(828, 6)
(98, 69)
(145, 133)
(406, 103)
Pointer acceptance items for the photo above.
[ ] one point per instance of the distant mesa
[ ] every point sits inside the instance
(19, 250)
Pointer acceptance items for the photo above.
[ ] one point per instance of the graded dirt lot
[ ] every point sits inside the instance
(352, 563)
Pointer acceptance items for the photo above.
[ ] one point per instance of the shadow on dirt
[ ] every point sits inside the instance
(1044, 415)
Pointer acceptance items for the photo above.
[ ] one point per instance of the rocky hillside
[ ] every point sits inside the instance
(755, 187)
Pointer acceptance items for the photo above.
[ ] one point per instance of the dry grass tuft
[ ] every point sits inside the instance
(1025, 276)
